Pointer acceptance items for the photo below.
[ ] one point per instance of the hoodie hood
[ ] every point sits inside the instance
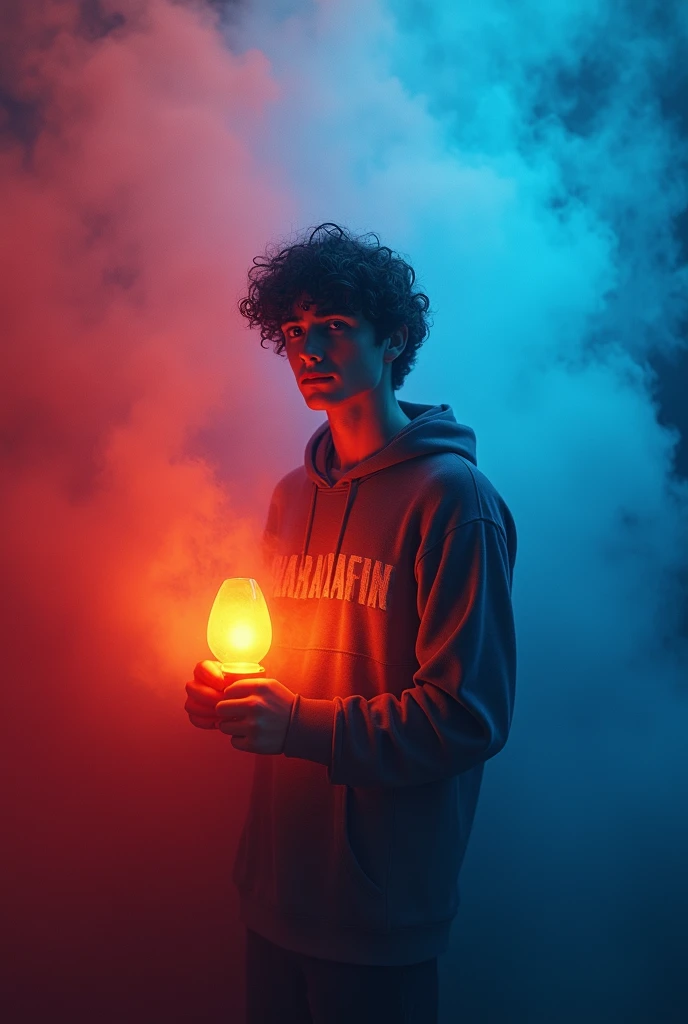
(433, 428)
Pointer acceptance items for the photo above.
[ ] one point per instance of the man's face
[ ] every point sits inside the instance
(339, 347)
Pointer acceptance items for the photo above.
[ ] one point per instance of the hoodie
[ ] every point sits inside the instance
(389, 590)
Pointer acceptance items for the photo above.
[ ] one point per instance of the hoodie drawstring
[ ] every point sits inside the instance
(353, 487)
(309, 521)
(351, 495)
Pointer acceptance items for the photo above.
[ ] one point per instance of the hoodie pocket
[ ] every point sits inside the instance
(355, 823)
(350, 891)
(317, 851)
(427, 852)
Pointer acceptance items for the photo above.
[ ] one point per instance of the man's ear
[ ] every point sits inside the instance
(397, 343)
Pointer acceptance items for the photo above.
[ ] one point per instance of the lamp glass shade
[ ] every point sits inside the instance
(239, 627)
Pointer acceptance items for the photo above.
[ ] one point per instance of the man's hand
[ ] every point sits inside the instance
(256, 713)
(203, 694)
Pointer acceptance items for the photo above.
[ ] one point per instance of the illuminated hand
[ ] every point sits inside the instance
(255, 713)
(203, 693)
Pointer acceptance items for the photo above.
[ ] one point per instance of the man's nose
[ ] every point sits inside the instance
(311, 348)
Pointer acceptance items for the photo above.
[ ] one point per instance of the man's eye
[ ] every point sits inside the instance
(339, 324)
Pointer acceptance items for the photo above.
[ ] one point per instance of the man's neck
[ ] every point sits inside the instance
(359, 432)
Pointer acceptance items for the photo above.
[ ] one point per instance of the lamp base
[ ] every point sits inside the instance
(241, 668)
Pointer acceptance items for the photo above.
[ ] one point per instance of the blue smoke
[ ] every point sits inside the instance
(521, 157)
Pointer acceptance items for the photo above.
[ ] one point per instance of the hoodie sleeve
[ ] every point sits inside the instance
(458, 707)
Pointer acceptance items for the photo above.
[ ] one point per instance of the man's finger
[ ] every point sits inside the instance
(203, 694)
(242, 687)
(196, 707)
(231, 728)
(202, 721)
(239, 707)
(209, 673)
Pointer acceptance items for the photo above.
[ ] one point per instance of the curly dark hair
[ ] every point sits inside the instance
(339, 273)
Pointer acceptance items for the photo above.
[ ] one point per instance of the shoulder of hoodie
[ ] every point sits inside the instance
(450, 483)
(460, 492)
(295, 480)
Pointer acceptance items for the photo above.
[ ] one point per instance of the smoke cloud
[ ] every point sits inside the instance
(523, 160)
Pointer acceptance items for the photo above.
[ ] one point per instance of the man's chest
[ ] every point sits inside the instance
(359, 598)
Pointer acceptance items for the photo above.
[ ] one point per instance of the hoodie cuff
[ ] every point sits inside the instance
(309, 735)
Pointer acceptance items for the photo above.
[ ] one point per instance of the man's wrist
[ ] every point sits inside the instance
(309, 734)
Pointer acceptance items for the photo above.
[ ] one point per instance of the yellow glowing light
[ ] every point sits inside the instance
(239, 627)
(241, 636)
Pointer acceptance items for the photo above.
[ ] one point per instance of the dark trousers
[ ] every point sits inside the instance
(289, 988)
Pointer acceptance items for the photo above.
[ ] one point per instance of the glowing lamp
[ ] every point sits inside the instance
(239, 627)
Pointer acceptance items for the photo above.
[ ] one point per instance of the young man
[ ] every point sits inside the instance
(393, 664)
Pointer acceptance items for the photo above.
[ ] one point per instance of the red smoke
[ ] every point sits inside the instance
(131, 209)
